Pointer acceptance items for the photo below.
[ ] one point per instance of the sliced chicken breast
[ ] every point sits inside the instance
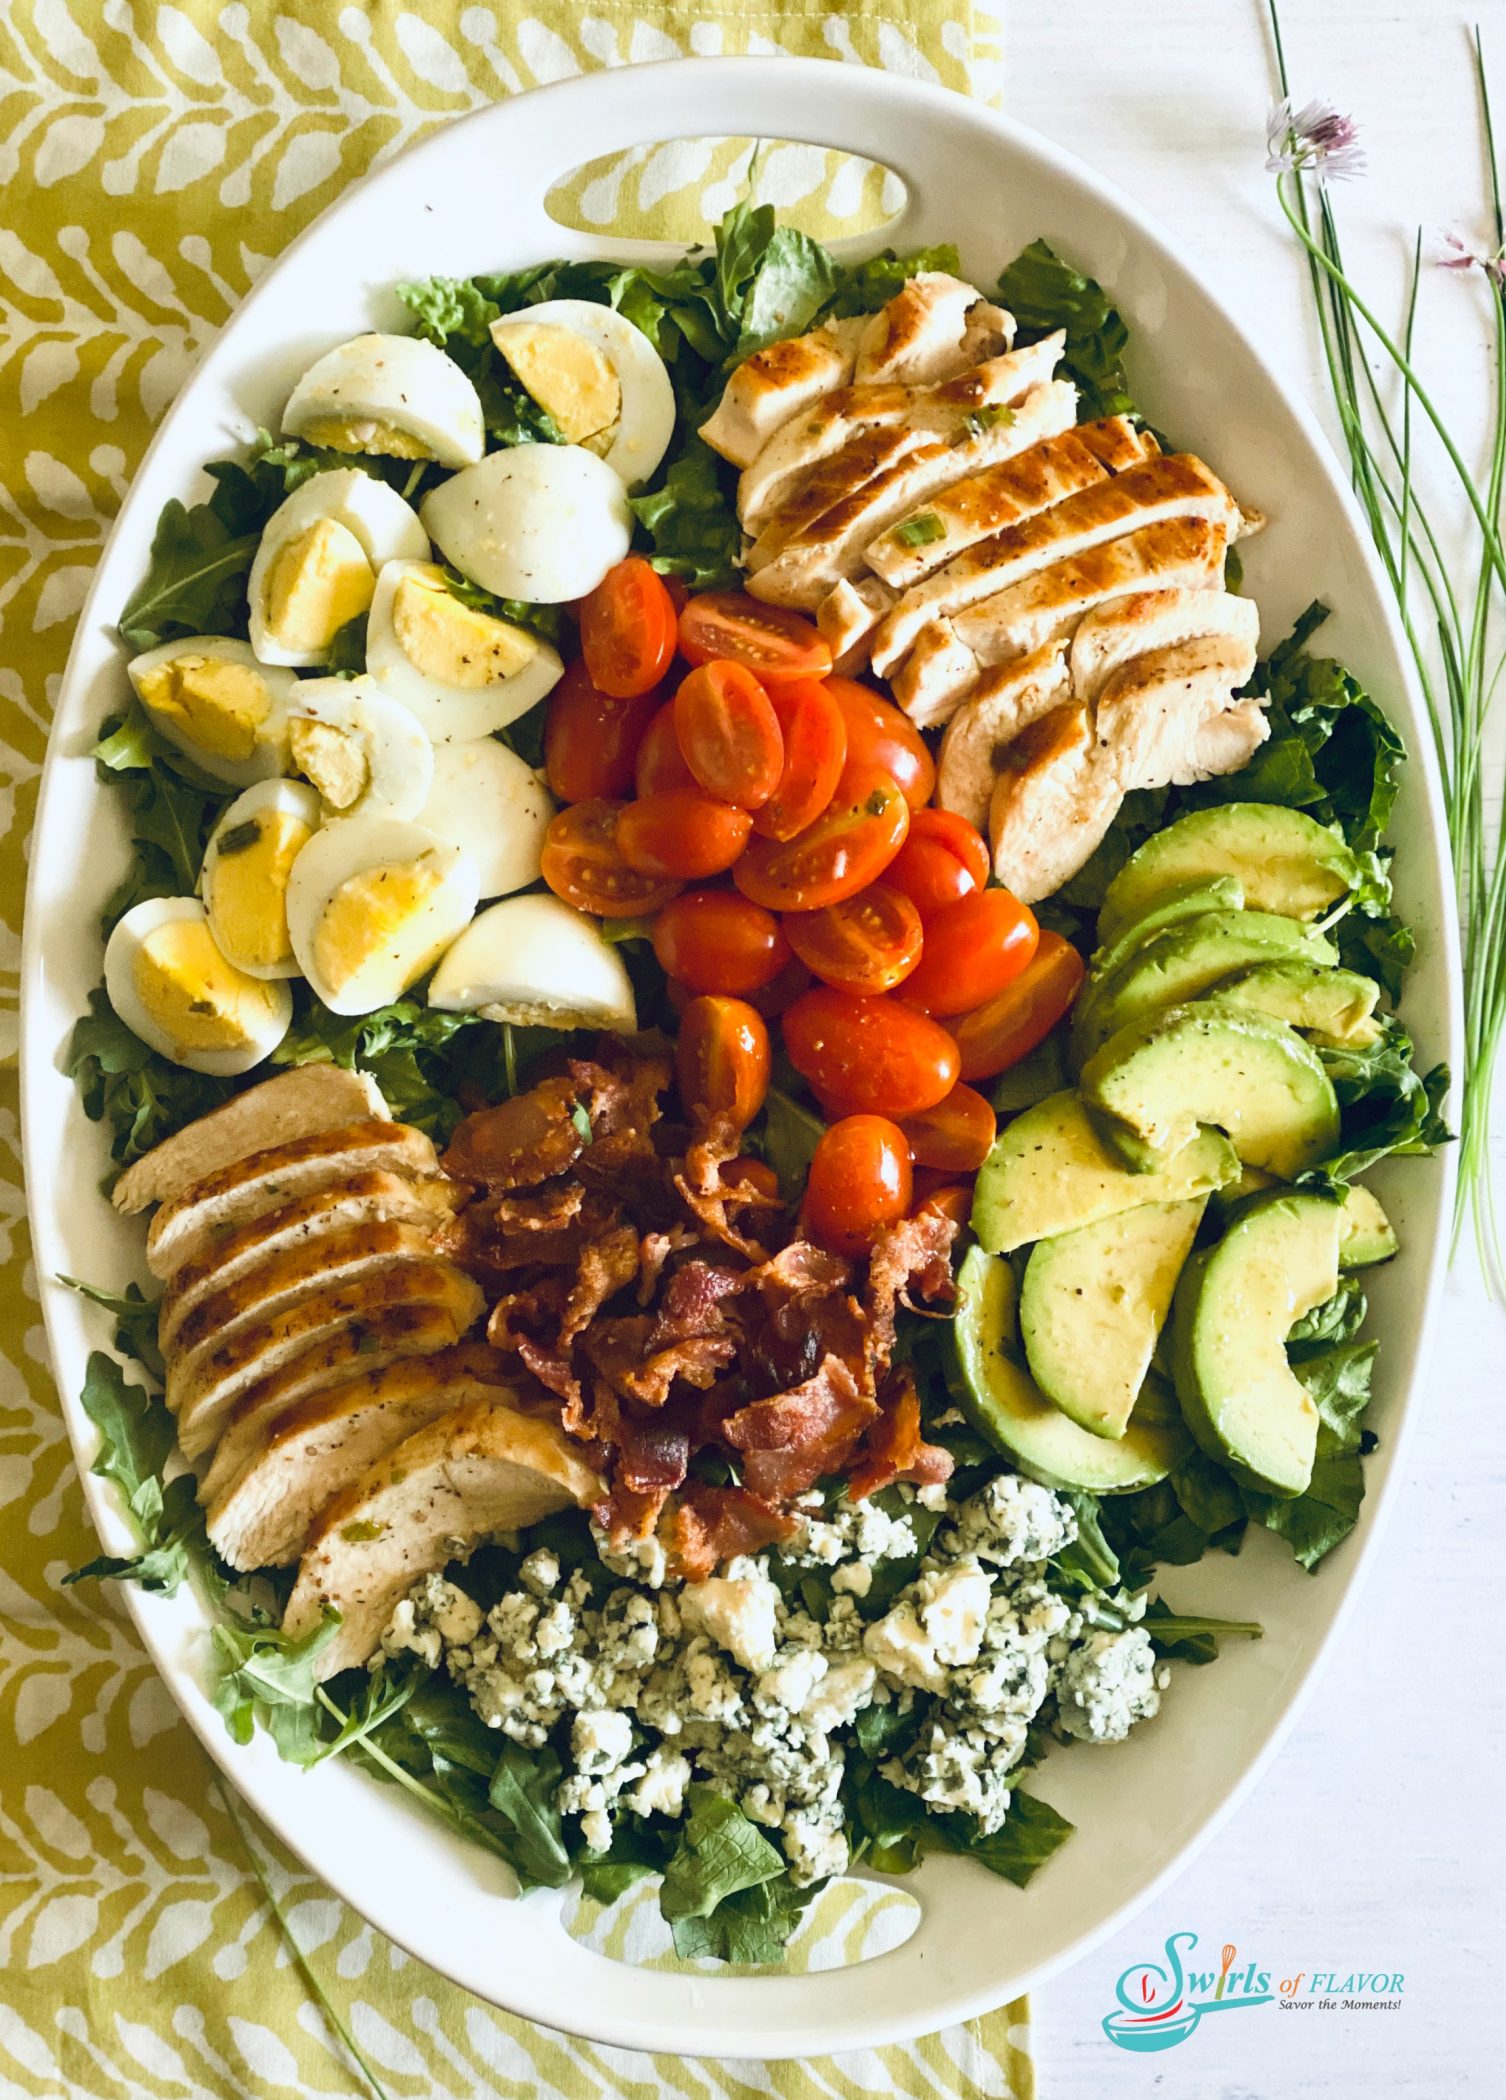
(1001, 705)
(202, 1389)
(848, 616)
(474, 1472)
(1052, 804)
(933, 328)
(1226, 741)
(984, 503)
(364, 1199)
(1150, 712)
(294, 1105)
(834, 479)
(261, 1515)
(1125, 628)
(777, 383)
(190, 1226)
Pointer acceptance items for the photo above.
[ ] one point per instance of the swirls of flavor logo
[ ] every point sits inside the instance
(1161, 2003)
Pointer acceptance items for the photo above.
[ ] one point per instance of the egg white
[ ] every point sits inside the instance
(448, 713)
(341, 852)
(397, 380)
(542, 523)
(494, 807)
(646, 420)
(534, 962)
(122, 952)
(399, 757)
(270, 755)
(290, 798)
(374, 514)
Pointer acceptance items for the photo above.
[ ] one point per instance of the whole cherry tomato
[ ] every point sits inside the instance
(581, 862)
(868, 943)
(591, 741)
(682, 833)
(729, 733)
(995, 1036)
(974, 948)
(716, 941)
(660, 764)
(773, 643)
(955, 1135)
(859, 1181)
(722, 1060)
(815, 750)
(849, 845)
(943, 859)
(628, 630)
(879, 735)
(880, 1056)
(772, 998)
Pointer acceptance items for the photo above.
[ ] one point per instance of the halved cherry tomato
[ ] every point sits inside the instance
(935, 1194)
(722, 1061)
(591, 741)
(716, 941)
(683, 834)
(730, 733)
(815, 750)
(954, 1135)
(849, 845)
(879, 1055)
(995, 1036)
(660, 764)
(628, 630)
(738, 629)
(974, 948)
(879, 735)
(581, 863)
(859, 1181)
(943, 859)
(868, 943)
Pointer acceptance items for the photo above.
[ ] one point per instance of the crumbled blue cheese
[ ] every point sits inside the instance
(1010, 1521)
(739, 1610)
(1106, 1685)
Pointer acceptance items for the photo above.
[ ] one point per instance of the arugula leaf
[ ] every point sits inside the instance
(1337, 1319)
(135, 1322)
(171, 807)
(346, 657)
(1030, 1833)
(719, 1853)
(1043, 292)
(862, 288)
(1385, 1105)
(522, 1791)
(636, 1851)
(791, 1134)
(1043, 1071)
(1314, 1522)
(898, 1829)
(266, 1676)
(1193, 1639)
(195, 581)
(406, 1047)
(690, 519)
(1090, 1562)
(136, 1438)
(141, 1095)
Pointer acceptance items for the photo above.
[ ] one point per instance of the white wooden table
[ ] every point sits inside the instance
(1378, 1841)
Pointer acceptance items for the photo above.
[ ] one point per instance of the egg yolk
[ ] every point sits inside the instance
(380, 920)
(209, 701)
(318, 580)
(333, 759)
(454, 644)
(364, 434)
(247, 895)
(198, 999)
(566, 375)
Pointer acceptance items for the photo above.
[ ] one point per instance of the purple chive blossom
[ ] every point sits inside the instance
(1316, 137)
(1458, 255)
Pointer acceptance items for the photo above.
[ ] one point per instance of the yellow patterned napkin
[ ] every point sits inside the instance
(155, 158)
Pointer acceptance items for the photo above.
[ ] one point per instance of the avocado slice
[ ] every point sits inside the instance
(1210, 1063)
(1234, 1309)
(1092, 1305)
(1185, 900)
(1184, 962)
(1050, 1171)
(1287, 862)
(999, 1395)
(1337, 1003)
(1366, 1234)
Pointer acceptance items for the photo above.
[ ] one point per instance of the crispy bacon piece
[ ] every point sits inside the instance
(550, 1369)
(711, 1524)
(621, 1351)
(654, 1252)
(630, 1513)
(913, 1255)
(791, 1439)
(607, 1266)
(535, 1309)
(707, 1196)
(893, 1448)
(692, 1301)
(520, 1142)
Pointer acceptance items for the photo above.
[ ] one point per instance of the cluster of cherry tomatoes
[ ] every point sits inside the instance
(773, 820)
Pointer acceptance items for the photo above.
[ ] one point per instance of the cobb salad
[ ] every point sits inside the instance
(825, 1015)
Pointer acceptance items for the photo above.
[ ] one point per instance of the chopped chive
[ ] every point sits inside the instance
(921, 531)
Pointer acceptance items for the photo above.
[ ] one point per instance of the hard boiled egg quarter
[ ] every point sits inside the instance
(460, 672)
(536, 963)
(372, 904)
(365, 754)
(599, 377)
(316, 566)
(493, 806)
(213, 701)
(538, 522)
(392, 394)
(247, 864)
(170, 984)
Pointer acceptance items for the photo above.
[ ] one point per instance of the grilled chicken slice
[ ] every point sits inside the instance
(364, 1199)
(1226, 741)
(1178, 486)
(1149, 620)
(1002, 495)
(475, 1471)
(306, 1455)
(934, 327)
(834, 545)
(191, 1226)
(848, 616)
(1175, 553)
(1002, 704)
(777, 383)
(1052, 803)
(295, 1104)
(201, 1389)
(1151, 711)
